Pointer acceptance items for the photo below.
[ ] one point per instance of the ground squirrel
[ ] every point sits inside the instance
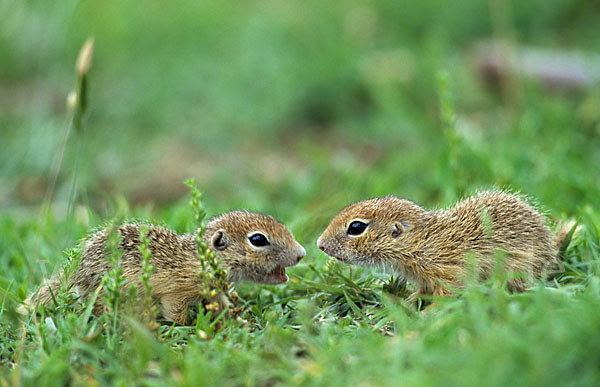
(430, 248)
(252, 247)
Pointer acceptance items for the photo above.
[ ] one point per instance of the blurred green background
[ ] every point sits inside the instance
(294, 109)
(297, 109)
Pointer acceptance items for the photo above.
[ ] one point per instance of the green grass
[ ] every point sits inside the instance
(296, 111)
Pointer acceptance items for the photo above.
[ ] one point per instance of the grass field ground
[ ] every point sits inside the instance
(295, 110)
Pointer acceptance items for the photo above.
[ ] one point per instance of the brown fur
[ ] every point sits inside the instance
(174, 257)
(430, 248)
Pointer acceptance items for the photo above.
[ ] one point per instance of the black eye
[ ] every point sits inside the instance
(258, 240)
(357, 227)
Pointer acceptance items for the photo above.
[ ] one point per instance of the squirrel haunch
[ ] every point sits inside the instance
(252, 246)
(431, 248)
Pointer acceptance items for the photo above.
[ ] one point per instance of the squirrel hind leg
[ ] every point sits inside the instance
(517, 285)
(432, 288)
(175, 308)
(440, 291)
(45, 296)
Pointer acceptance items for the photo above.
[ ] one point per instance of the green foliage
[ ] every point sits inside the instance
(453, 152)
(331, 324)
(293, 109)
(114, 289)
(114, 280)
(148, 309)
(213, 278)
(66, 300)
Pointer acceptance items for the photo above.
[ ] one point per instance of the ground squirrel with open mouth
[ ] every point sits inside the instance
(252, 246)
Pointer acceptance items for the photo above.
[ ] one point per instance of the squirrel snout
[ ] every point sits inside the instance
(301, 253)
(320, 244)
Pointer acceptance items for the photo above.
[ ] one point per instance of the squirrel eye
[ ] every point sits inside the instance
(357, 227)
(258, 240)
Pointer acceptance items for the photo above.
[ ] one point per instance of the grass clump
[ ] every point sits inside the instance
(148, 308)
(331, 324)
(213, 278)
(295, 117)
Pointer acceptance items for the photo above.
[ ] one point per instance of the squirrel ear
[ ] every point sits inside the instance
(219, 240)
(398, 228)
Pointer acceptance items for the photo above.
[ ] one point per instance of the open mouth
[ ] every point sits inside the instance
(330, 254)
(277, 276)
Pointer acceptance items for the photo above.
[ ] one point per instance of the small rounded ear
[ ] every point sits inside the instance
(399, 228)
(219, 240)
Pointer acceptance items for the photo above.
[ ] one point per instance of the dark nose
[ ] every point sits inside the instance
(320, 245)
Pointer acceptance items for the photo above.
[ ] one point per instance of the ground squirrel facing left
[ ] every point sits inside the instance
(430, 248)
(252, 246)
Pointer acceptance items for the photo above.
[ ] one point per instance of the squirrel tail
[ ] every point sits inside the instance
(44, 296)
